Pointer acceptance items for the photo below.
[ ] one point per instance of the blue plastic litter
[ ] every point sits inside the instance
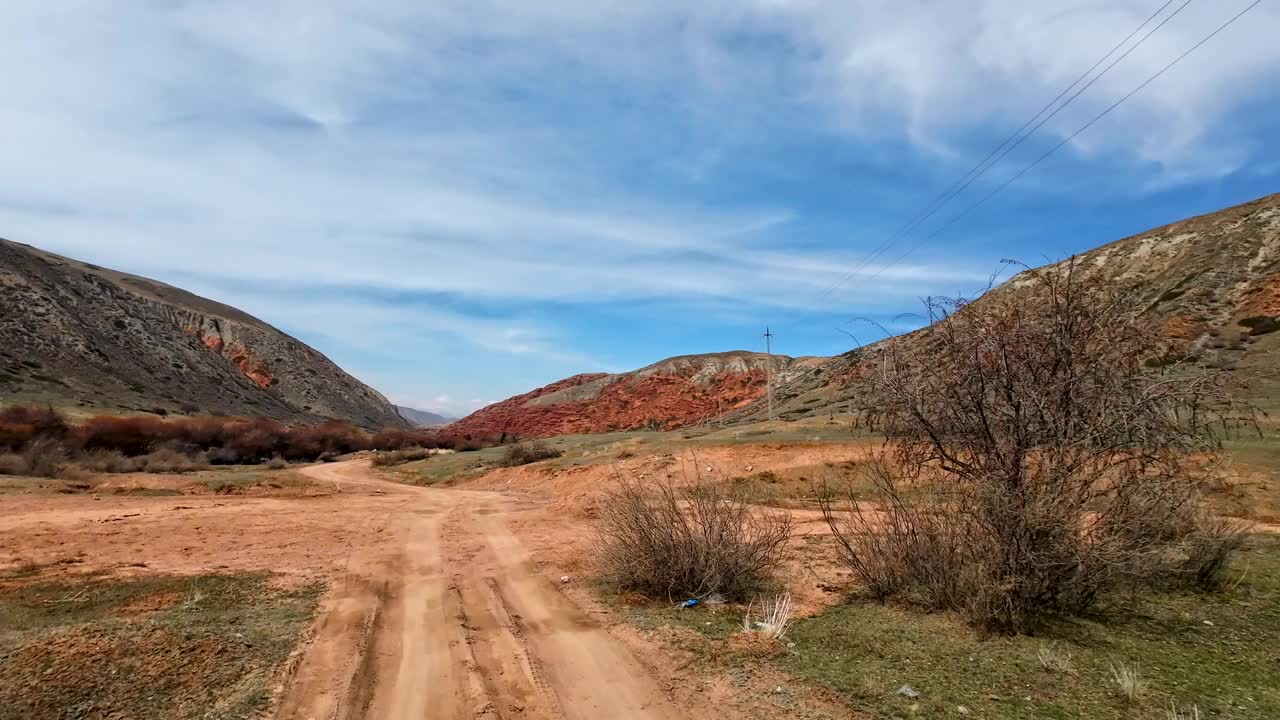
(690, 602)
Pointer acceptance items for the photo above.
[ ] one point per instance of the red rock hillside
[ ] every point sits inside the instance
(669, 394)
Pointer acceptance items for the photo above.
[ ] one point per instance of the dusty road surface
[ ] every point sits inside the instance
(451, 619)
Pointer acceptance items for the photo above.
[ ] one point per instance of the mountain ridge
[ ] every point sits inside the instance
(423, 418)
(670, 393)
(86, 338)
(1212, 281)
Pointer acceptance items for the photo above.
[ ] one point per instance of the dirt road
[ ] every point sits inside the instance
(456, 621)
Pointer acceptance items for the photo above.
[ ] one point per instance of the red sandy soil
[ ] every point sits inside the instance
(443, 603)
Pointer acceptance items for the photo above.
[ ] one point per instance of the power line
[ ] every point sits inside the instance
(1073, 136)
(1017, 138)
(768, 368)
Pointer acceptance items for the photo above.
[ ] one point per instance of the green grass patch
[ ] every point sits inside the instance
(156, 647)
(1216, 652)
(148, 492)
(713, 621)
(240, 479)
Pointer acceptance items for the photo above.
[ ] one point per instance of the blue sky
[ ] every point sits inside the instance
(459, 201)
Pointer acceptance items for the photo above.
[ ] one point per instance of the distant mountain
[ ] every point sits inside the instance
(1211, 283)
(79, 336)
(423, 418)
(669, 394)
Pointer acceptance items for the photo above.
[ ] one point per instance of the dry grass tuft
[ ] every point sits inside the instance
(1055, 659)
(775, 616)
(1129, 682)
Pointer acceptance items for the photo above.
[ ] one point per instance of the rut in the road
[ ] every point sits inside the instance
(468, 629)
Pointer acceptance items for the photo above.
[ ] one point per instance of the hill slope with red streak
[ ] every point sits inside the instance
(668, 395)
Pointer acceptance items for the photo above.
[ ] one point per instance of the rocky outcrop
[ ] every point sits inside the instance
(80, 336)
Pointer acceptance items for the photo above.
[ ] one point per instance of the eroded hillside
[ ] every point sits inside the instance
(673, 393)
(80, 336)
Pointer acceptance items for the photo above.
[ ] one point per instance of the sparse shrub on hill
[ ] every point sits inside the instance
(677, 543)
(128, 435)
(526, 453)
(430, 439)
(1035, 462)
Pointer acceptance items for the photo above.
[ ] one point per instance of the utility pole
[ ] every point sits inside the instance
(768, 368)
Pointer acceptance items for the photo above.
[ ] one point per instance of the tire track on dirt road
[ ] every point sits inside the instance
(458, 623)
(590, 673)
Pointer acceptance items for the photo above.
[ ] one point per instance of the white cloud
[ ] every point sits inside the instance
(473, 149)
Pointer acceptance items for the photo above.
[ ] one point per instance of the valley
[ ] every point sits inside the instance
(1060, 498)
(453, 588)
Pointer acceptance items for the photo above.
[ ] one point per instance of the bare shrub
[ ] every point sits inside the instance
(693, 541)
(12, 464)
(128, 435)
(277, 463)
(172, 461)
(400, 457)
(1034, 460)
(431, 438)
(1205, 553)
(109, 461)
(44, 457)
(20, 424)
(223, 456)
(526, 453)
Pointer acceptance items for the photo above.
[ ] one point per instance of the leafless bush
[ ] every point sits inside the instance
(688, 542)
(12, 464)
(1035, 460)
(400, 457)
(44, 457)
(277, 463)
(172, 461)
(109, 461)
(1205, 553)
(525, 453)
